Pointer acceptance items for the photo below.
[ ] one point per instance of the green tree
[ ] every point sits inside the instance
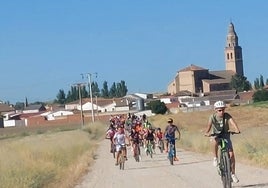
(257, 84)
(121, 89)
(240, 83)
(95, 89)
(61, 97)
(84, 93)
(73, 94)
(105, 90)
(19, 106)
(261, 81)
(260, 95)
(112, 91)
(157, 107)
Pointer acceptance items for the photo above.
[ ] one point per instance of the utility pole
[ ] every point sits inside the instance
(89, 76)
(79, 85)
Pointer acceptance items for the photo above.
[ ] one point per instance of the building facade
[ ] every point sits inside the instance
(196, 79)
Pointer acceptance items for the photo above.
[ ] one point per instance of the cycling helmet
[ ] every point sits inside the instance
(219, 104)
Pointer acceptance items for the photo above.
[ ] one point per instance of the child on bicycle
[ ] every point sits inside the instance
(169, 133)
(219, 123)
(159, 135)
(119, 140)
(150, 137)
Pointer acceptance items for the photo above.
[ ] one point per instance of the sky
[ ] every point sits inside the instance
(46, 45)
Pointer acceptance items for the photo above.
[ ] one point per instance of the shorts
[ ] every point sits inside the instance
(119, 147)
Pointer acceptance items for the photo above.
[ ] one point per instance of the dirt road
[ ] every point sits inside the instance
(192, 171)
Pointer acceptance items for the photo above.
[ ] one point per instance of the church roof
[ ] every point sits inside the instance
(222, 74)
(192, 67)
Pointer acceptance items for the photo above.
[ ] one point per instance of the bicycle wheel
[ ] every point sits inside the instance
(121, 161)
(226, 170)
(136, 153)
(161, 146)
(171, 154)
(150, 149)
(113, 150)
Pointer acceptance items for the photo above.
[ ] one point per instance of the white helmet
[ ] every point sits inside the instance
(219, 104)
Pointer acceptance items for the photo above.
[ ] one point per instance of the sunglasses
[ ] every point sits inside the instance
(220, 110)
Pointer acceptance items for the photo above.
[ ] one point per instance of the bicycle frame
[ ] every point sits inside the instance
(136, 150)
(224, 163)
(171, 152)
(149, 150)
(121, 158)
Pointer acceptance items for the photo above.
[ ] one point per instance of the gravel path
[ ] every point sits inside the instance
(191, 171)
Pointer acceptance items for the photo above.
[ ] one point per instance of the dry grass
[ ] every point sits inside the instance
(250, 146)
(55, 159)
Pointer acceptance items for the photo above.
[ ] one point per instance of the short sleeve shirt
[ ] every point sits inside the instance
(220, 125)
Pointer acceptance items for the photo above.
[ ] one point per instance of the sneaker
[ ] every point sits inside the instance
(234, 178)
(215, 162)
(116, 164)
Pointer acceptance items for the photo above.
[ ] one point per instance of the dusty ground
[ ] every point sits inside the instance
(192, 171)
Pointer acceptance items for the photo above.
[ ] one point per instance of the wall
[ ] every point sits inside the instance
(71, 119)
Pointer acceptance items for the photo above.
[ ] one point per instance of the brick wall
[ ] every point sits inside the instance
(71, 119)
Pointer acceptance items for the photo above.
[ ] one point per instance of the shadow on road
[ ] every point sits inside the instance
(254, 185)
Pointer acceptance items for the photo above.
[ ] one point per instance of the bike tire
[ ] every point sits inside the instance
(114, 151)
(226, 170)
(136, 152)
(171, 155)
(161, 146)
(150, 148)
(121, 162)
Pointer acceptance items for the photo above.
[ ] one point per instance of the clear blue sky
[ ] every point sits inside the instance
(46, 45)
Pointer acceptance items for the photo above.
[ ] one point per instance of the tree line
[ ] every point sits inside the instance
(240, 83)
(118, 89)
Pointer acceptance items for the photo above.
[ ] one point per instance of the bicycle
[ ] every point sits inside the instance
(149, 148)
(161, 145)
(171, 150)
(137, 152)
(113, 149)
(224, 164)
(122, 157)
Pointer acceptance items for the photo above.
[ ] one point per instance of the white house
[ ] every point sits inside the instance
(54, 115)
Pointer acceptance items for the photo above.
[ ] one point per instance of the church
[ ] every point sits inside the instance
(195, 79)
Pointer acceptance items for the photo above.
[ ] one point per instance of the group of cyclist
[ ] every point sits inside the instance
(133, 130)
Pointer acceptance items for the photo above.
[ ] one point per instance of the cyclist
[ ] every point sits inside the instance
(159, 135)
(119, 139)
(110, 134)
(149, 136)
(169, 134)
(147, 125)
(135, 138)
(219, 122)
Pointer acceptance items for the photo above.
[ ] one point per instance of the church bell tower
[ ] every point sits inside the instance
(233, 52)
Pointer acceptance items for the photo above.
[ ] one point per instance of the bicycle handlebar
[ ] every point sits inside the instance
(217, 134)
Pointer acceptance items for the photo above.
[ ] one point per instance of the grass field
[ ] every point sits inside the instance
(58, 156)
(47, 157)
